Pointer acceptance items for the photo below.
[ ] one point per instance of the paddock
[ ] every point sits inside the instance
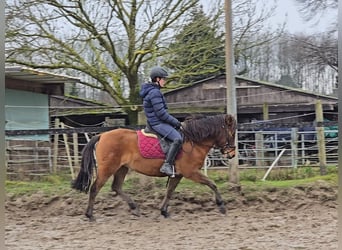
(298, 219)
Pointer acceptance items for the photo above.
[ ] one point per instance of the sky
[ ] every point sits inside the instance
(287, 10)
(296, 23)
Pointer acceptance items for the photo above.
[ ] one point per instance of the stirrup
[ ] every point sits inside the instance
(166, 168)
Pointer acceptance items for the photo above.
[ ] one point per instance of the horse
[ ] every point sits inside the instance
(114, 152)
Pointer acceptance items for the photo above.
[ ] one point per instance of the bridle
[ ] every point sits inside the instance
(229, 145)
(227, 148)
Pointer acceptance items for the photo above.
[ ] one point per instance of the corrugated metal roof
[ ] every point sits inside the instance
(33, 75)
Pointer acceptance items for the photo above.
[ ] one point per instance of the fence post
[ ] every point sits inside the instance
(302, 148)
(294, 147)
(320, 137)
(67, 150)
(55, 147)
(259, 147)
(7, 154)
(265, 111)
(75, 143)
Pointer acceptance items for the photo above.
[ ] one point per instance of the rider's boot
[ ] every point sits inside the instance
(167, 167)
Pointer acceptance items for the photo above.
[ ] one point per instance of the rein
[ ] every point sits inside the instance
(205, 145)
(199, 144)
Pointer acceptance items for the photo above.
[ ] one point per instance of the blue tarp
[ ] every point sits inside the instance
(26, 110)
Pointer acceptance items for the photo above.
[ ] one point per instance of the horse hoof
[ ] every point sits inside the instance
(91, 219)
(165, 214)
(136, 212)
(114, 193)
(222, 209)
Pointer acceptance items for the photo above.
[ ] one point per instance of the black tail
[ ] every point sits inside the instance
(88, 163)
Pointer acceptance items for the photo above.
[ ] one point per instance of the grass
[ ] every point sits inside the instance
(283, 184)
(249, 180)
(49, 185)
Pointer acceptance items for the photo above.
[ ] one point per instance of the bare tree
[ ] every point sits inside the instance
(300, 61)
(320, 57)
(107, 41)
(251, 33)
(313, 8)
(322, 49)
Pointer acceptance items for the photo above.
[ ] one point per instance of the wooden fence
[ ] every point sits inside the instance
(256, 149)
(27, 159)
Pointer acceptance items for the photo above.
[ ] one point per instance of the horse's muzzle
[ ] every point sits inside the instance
(228, 152)
(231, 154)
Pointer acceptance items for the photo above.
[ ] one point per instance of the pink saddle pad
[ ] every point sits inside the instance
(149, 146)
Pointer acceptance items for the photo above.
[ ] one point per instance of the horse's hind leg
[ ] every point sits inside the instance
(94, 190)
(200, 178)
(118, 180)
(173, 182)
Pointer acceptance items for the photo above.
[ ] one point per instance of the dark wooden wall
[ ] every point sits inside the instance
(209, 96)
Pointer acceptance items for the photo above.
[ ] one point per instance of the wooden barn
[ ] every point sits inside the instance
(76, 112)
(256, 100)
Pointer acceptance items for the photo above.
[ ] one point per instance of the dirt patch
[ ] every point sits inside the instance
(304, 217)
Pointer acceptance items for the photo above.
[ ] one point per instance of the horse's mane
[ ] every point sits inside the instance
(200, 127)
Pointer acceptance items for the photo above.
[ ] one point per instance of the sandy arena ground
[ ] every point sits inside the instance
(297, 218)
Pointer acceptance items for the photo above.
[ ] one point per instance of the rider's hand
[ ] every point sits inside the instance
(178, 125)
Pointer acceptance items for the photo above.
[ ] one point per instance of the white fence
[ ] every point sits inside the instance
(259, 149)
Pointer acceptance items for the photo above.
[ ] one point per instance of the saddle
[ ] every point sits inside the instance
(152, 145)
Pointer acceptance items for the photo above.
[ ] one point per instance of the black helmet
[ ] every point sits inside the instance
(158, 72)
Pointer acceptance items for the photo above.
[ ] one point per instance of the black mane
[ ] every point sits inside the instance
(199, 128)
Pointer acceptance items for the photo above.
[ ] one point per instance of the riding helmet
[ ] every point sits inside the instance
(158, 72)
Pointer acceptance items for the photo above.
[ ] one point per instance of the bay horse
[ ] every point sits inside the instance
(117, 151)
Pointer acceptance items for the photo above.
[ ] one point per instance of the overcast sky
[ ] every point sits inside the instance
(296, 23)
(287, 10)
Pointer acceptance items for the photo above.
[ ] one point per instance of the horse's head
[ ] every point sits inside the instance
(219, 129)
(227, 141)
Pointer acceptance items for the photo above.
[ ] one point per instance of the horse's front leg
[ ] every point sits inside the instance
(172, 184)
(197, 176)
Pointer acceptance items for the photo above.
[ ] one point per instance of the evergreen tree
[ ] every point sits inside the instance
(197, 51)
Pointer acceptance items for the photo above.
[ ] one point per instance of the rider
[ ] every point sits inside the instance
(158, 118)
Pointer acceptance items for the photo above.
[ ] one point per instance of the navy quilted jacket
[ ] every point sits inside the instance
(155, 107)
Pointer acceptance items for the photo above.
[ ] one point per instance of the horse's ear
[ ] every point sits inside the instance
(230, 120)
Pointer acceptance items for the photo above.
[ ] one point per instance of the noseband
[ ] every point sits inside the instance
(229, 146)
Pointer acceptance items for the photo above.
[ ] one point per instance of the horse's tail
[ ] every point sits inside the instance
(88, 163)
